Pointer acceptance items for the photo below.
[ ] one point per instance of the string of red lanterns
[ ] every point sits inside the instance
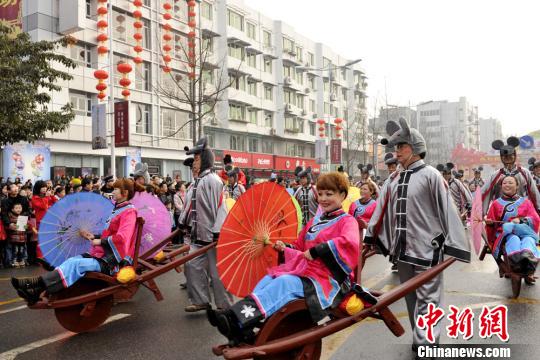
(321, 127)
(192, 23)
(338, 123)
(102, 26)
(138, 35)
(167, 37)
(124, 68)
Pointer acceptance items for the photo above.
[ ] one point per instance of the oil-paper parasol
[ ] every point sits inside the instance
(58, 235)
(260, 217)
(157, 220)
(477, 221)
(352, 195)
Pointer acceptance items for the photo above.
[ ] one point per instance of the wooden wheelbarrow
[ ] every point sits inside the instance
(291, 334)
(87, 304)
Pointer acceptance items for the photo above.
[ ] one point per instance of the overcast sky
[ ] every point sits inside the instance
(419, 50)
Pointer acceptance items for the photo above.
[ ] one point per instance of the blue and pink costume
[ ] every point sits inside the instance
(116, 249)
(519, 240)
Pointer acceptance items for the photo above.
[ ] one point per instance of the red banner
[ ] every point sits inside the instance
(335, 151)
(240, 159)
(11, 12)
(121, 124)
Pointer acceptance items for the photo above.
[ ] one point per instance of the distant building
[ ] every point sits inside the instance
(490, 130)
(445, 124)
(378, 125)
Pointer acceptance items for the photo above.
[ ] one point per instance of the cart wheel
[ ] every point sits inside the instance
(72, 317)
(516, 285)
(294, 317)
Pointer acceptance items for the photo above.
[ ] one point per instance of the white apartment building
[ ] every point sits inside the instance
(445, 124)
(490, 130)
(277, 95)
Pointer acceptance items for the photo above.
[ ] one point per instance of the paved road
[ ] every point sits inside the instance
(147, 329)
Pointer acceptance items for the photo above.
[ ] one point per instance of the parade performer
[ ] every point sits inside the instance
(112, 249)
(534, 168)
(227, 161)
(140, 174)
(391, 163)
(477, 180)
(460, 194)
(414, 223)
(526, 184)
(204, 217)
(512, 228)
(330, 246)
(362, 209)
(365, 172)
(234, 188)
(306, 194)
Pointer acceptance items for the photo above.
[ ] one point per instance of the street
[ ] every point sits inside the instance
(147, 329)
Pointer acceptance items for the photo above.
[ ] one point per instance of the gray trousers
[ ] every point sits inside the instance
(417, 301)
(199, 272)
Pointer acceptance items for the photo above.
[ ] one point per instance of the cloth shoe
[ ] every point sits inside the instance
(29, 289)
(197, 307)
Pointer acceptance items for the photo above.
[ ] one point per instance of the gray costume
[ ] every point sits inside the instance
(307, 199)
(416, 222)
(204, 214)
(461, 195)
(236, 190)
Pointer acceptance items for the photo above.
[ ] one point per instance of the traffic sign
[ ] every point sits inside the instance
(526, 142)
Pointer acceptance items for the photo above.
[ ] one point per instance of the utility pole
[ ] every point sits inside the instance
(111, 92)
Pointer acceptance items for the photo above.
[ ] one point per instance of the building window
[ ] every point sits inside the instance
(300, 101)
(312, 128)
(123, 29)
(237, 112)
(311, 59)
(143, 119)
(268, 119)
(299, 54)
(175, 124)
(267, 38)
(300, 150)
(311, 82)
(288, 45)
(326, 85)
(238, 82)
(143, 77)
(253, 145)
(268, 65)
(81, 102)
(237, 142)
(252, 88)
(326, 62)
(207, 11)
(251, 31)
(236, 51)
(208, 76)
(311, 105)
(252, 60)
(289, 149)
(268, 92)
(89, 9)
(235, 20)
(82, 54)
(253, 116)
(290, 98)
(267, 147)
(327, 109)
(208, 44)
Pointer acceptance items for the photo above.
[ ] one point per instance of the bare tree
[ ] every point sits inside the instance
(356, 141)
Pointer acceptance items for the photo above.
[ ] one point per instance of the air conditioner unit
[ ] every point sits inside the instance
(288, 108)
(358, 87)
(272, 132)
(213, 121)
(314, 116)
(333, 97)
(291, 52)
(307, 90)
(304, 112)
(287, 80)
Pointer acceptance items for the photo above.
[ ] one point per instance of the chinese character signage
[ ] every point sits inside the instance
(335, 151)
(133, 156)
(27, 161)
(99, 127)
(11, 13)
(121, 124)
(320, 151)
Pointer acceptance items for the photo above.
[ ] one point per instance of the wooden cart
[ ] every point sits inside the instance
(87, 304)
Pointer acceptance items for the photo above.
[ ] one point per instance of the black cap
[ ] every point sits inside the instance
(198, 148)
(108, 178)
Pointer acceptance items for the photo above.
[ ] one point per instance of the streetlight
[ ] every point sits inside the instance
(332, 96)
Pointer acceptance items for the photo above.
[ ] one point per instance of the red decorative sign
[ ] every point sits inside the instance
(121, 124)
(11, 13)
(240, 159)
(335, 151)
(262, 161)
(290, 163)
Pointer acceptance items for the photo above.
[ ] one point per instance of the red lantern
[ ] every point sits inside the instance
(137, 14)
(101, 95)
(338, 128)
(137, 60)
(101, 74)
(167, 37)
(191, 34)
(321, 128)
(126, 93)
(124, 68)
(320, 121)
(102, 24)
(167, 27)
(167, 58)
(138, 24)
(138, 48)
(167, 16)
(101, 86)
(338, 121)
(191, 75)
(191, 54)
(192, 3)
(167, 6)
(137, 3)
(167, 48)
(102, 37)
(102, 50)
(166, 69)
(338, 135)
(137, 36)
(192, 23)
(191, 44)
(191, 14)
(102, 10)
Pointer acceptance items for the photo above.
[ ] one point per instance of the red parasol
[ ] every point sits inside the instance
(477, 221)
(261, 216)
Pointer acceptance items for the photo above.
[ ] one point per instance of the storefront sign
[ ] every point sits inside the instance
(121, 124)
(241, 160)
(11, 13)
(290, 163)
(262, 161)
(335, 151)
(320, 151)
(27, 161)
(99, 127)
